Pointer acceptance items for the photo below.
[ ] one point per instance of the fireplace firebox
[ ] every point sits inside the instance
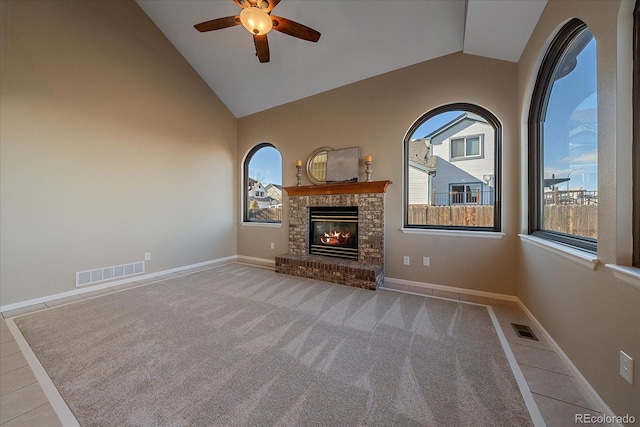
(333, 231)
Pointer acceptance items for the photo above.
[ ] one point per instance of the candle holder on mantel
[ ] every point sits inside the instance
(299, 172)
(368, 161)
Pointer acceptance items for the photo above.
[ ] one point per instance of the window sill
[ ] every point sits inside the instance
(455, 233)
(583, 258)
(262, 224)
(628, 275)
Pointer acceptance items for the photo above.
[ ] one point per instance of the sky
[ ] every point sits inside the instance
(266, 164)
(570, 126)
(434, 123)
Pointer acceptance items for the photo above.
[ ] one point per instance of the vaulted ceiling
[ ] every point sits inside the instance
(360, 39)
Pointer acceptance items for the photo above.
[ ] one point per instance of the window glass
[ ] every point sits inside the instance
(263, 184)
(466, 194)
(564, 140)
(473, 146)
(450, 178)
(457, 148)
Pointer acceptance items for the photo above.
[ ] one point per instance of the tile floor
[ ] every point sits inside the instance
(557, 393)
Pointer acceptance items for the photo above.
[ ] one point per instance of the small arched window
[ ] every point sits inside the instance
(262, 193)
(452, 170)
(563, 141)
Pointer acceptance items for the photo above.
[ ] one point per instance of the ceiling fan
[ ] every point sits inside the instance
(257, 19)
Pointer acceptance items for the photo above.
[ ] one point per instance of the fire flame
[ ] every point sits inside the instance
(335, 238)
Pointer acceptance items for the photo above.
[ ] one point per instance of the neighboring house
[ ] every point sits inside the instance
(274, 191)
(259, 193)
(256, 190)
(422, 167)
(454, 164)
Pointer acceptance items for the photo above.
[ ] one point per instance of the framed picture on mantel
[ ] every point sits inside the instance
(343, 165)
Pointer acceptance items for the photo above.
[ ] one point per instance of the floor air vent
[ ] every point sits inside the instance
(107, 273)
(524, 331)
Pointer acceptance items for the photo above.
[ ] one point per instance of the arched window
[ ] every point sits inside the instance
(563, 141)
(263, 185)
(452, 170)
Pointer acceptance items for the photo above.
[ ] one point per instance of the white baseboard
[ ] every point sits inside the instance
(451, 289)
(258, 262)
(593, 394)
(115, 283)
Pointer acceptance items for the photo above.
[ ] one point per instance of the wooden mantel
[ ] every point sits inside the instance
(341, 188)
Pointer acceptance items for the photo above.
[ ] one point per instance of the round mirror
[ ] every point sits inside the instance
(317, 165)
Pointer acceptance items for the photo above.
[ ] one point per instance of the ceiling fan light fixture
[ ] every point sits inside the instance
(256, 20)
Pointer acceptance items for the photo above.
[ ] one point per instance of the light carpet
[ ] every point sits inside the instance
(239, 345)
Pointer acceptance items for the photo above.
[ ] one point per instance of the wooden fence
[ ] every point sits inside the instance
(579, 220)
(265, 214)
(461, 215)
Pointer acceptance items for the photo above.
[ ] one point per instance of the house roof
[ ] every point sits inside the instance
(460, 118)
(419, 154)
(252, 183)
(359, 40)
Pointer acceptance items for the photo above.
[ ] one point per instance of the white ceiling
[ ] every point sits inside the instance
(360, 39)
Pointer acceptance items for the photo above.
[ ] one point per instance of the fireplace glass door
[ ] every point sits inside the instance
(334, 231)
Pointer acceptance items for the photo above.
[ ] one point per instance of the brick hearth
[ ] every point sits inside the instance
(368, 271)
(331, 269)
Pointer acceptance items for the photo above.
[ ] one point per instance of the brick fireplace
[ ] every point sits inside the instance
(367, 199)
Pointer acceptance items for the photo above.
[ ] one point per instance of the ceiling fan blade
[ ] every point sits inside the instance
(262, 47)
(218, 24)
(292, 28)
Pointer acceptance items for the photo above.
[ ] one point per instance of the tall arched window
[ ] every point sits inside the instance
(452, 170)
(563, 141)
(263, 185)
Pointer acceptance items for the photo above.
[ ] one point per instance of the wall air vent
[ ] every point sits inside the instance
(524, 331)
(96, 275)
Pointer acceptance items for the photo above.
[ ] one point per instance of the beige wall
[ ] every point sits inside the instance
(111, 146)
(590, 314)
(375, 114)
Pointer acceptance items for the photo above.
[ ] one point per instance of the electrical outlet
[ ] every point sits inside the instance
(426, 261)
(273, 245)
(147, 256)
(626, 367)
(407, 260)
